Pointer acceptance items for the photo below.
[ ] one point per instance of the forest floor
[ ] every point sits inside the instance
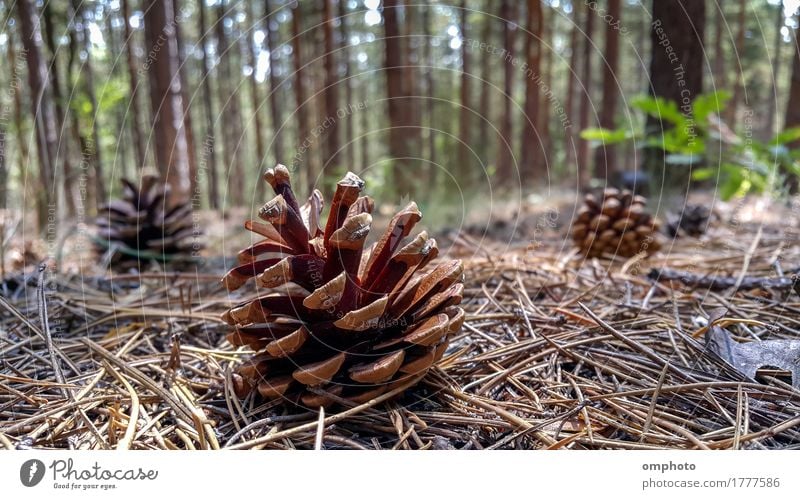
(556, 352)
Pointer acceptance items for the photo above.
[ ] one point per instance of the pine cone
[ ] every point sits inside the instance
(617, 224)
(692, 221)
(338, 321)
(144, 226)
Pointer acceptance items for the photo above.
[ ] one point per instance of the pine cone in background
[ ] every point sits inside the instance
(143, 226)
(616, 224)
(337, 321)
(692, 221)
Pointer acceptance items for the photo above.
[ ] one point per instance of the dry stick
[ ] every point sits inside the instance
(712, 283)
(737, 427)
(653, 402)
(127, 439)
(45, 325)
(747, 257)
(320, 429)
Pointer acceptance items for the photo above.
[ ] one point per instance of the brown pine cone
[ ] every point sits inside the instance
(331, 320)
(616, 224)
(143, 226)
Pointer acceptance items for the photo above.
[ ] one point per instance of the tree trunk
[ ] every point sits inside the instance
(570, 137)
(547, 78)
(63, 152)
(584, 167)
(42, 110)
(793, 105)
(210, 143)
(431, 92)
(121, 153)
(275, 103)
(137, 135)
(505, 148)
(674, 77)
(330, 137)
(484, 102)
(738, 80)
(191, 151)
(720, 77)
(166, 97)
(605, 161)
(400, 140)
(23, 155)
(344, 50)
(301, 160)
(772, 122)
(255, 94)
(465, 147)
(94, 146)
(532, 165)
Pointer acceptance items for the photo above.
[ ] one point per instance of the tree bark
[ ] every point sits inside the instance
(720, 77)
(344, 50)
(531, 162)
(465, 158)
(137, 135)
(772, 122)
(41, 109)
(232, 133)
(301, 160)
(88, 72)
(569, 104)
(255, 94)
(400, 140)
(546, 108)
(505, 148)
(793, 105)
(276, 107)
(486, 89)
(738, 80)
(166, 97)
(605, 162)
(677, 53)
(63, 152)
(330, 123)
(210, 143)
(431, 93)
(23, 155)
(121, 155)
(584, 167)
(191, 151)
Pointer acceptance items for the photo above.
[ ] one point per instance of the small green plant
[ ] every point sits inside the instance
(738, 165)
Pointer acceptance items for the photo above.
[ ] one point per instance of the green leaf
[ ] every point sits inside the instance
(704, 173)
(606, 136)
(660, 108)
(786, 136)
(732, 184)
(713, 102)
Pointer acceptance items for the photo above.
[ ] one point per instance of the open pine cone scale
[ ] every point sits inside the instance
(339, 322)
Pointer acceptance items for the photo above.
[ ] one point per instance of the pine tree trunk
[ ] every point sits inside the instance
(301, 160)
(166, 97)
(137, 135)
(605, 161)
(400, 141)
(793, 105)
(121, 149)
(94, 146)
(546, 107)
(486, 89)
(430, 89)
(674, 77)
(330, 137)
(531, 163)
(738, 85)
(464, 173)
(720, 77)
(772, 122)
(275, 103)
(584, 167)
(570, 137)
(505, 148)
(23, 154)
(210, 143)
(55, 83)
(191, 150)
(344, 50)
(41, 109)
(255, 94)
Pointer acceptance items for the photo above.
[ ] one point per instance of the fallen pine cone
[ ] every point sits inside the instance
(338, 323)
(143, 226)
(617, 224)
